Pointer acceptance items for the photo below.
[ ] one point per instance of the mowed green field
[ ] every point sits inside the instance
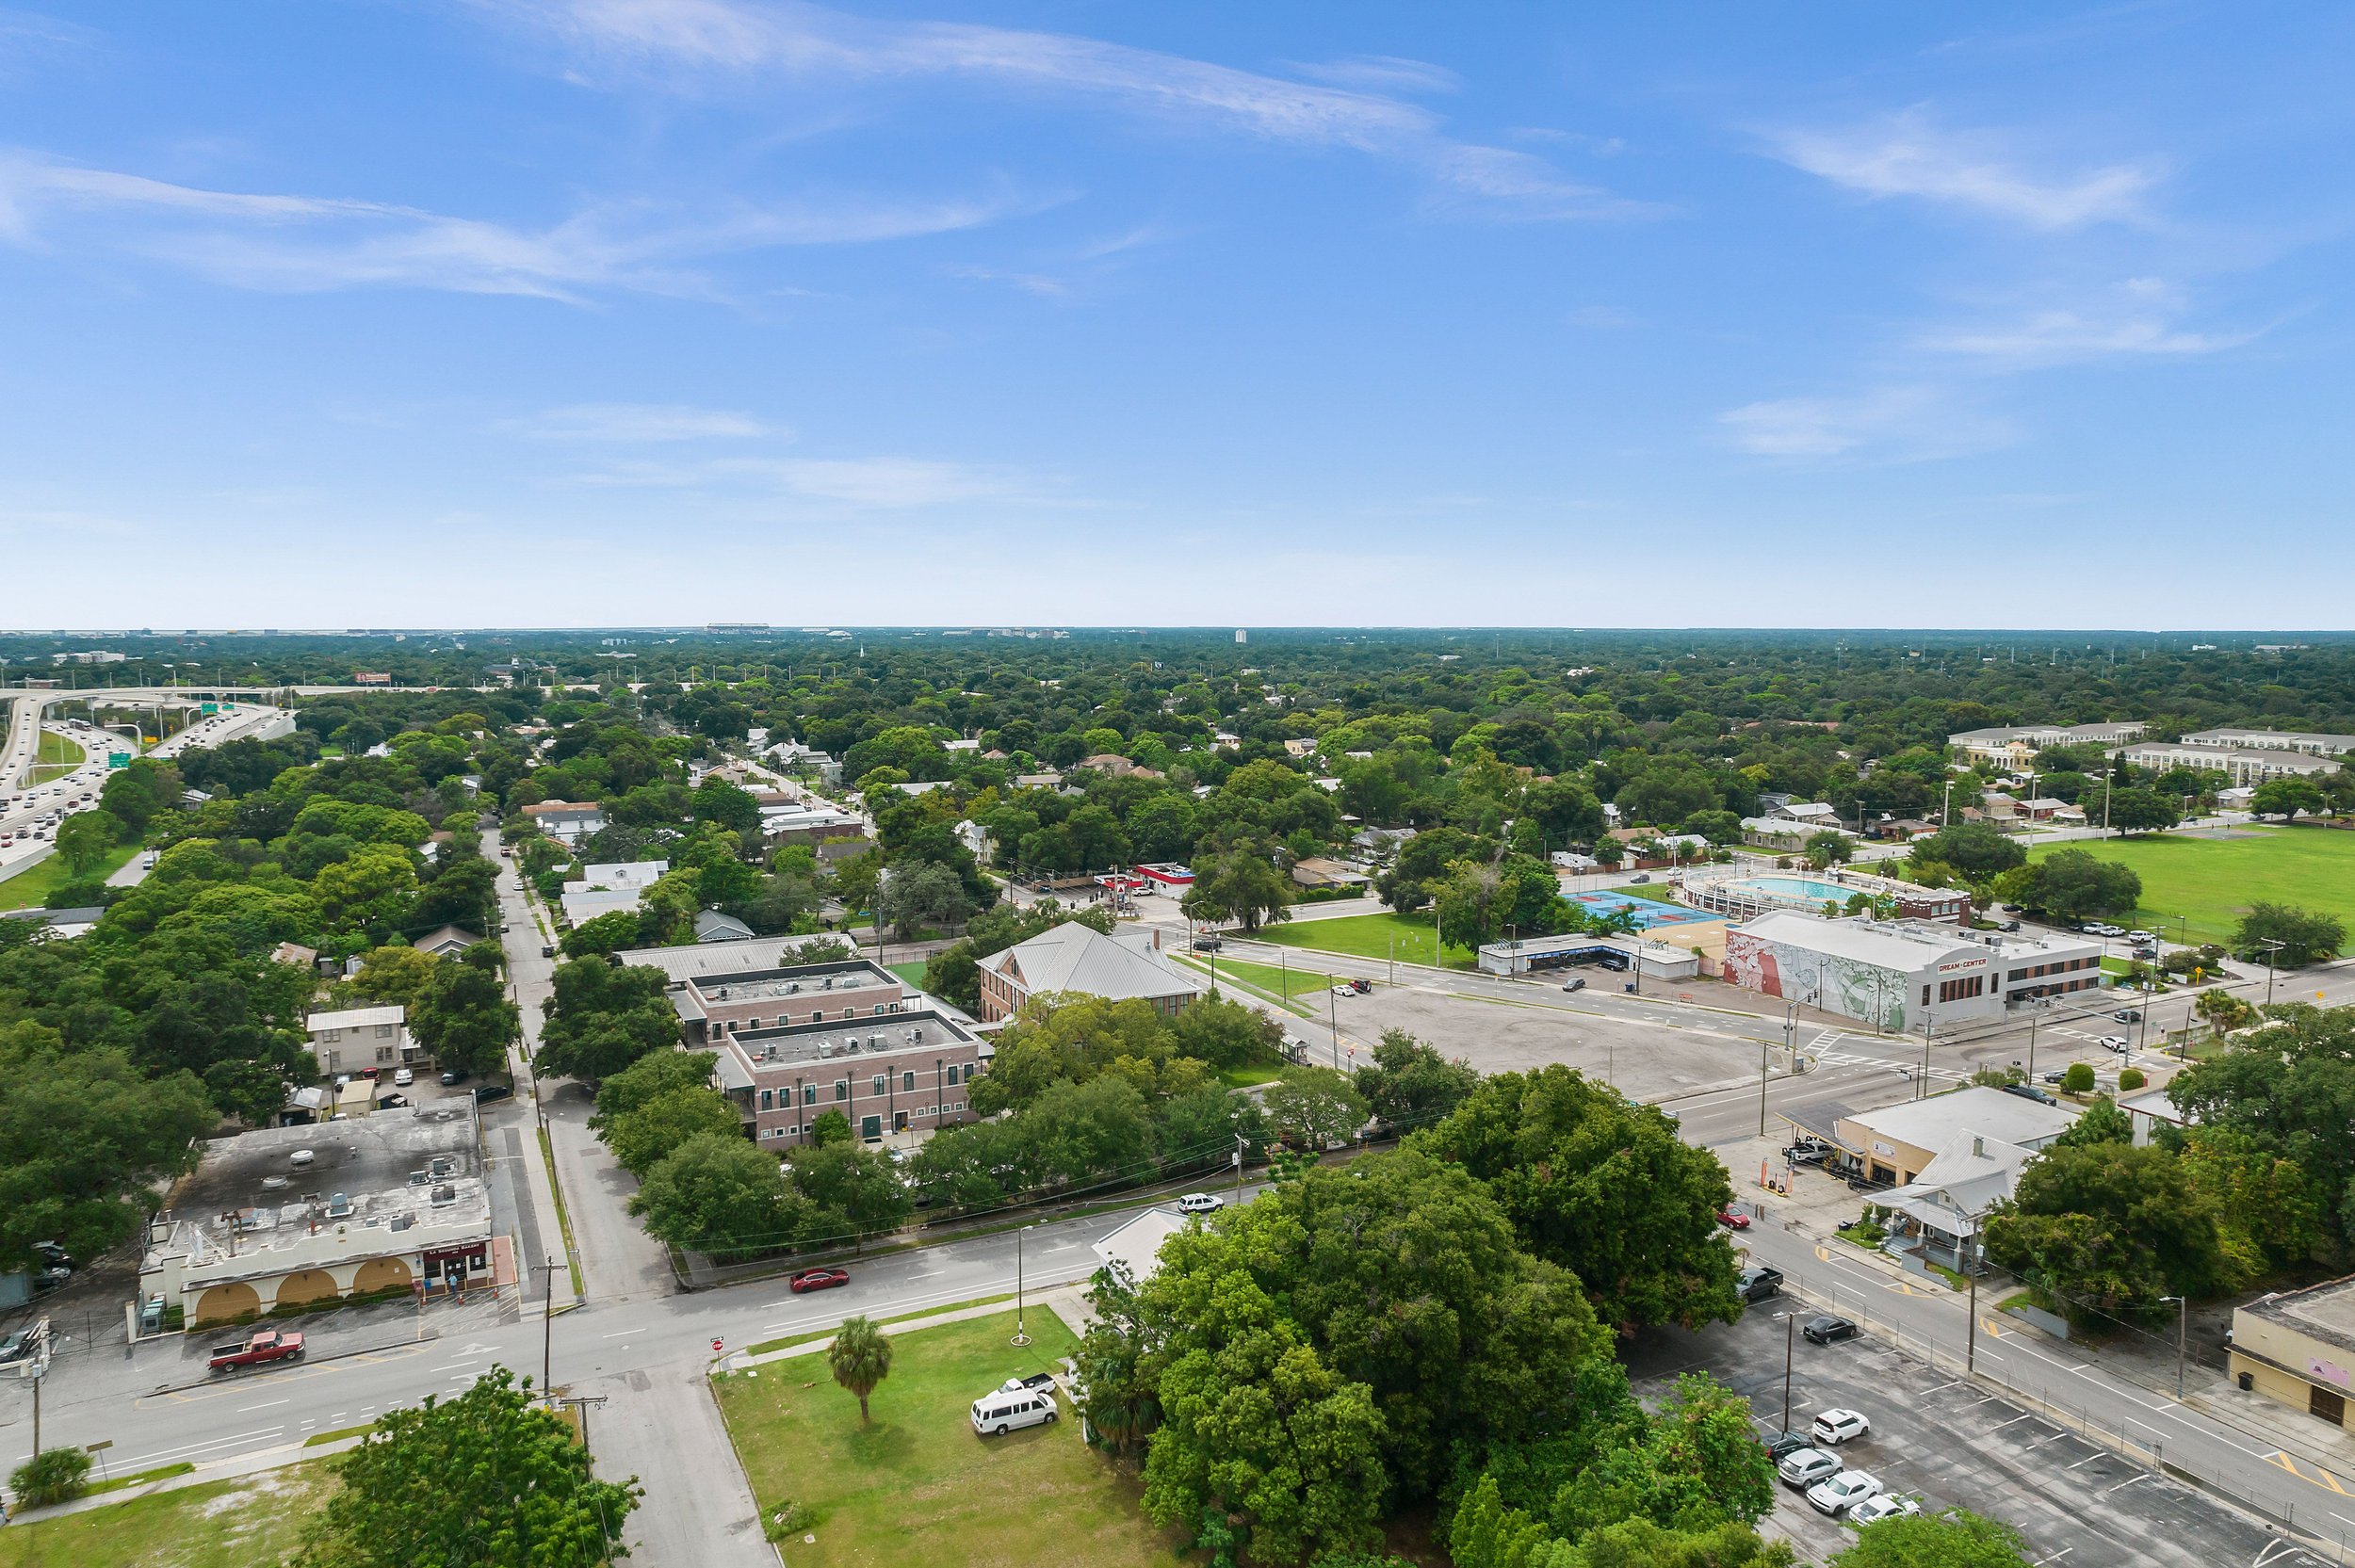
(251, 1522)
(2196, 889)
(1408, 938)
(919, 1487)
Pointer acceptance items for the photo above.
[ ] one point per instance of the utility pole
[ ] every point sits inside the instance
(1238, 1169)
(547, 1326)
(581, 1403)
(1763, 1049)
(2182, 1315)
(1971, 1351)
(2271, 945)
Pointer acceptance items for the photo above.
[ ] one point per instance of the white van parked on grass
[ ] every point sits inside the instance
(1012, 1405)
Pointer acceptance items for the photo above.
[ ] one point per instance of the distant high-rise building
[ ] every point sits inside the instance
(1242, 636)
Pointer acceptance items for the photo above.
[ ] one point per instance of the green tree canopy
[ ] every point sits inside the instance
(859, 1356)
(2306, 936)
(1604, 1187)
(718, 1194)
(485, 1478)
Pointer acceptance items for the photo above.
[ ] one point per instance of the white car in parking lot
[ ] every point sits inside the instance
(1836, 1425)
(1806, 1467)
(1843, 1492)
(1885, 1505)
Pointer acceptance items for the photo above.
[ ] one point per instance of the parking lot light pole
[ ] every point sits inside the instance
(1790, 1330)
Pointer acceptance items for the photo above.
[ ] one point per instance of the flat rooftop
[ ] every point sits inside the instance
(796, 981)
(709, 962)
(2324, 1312)
(247, 1193)
(804, 1045)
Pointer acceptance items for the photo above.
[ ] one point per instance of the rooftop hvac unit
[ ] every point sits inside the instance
(792, 987)
(722, 993)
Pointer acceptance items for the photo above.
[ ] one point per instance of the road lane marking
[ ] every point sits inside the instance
(266, 1404)
(2321, 1478)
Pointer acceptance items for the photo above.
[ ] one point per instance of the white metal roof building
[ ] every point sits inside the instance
(1076, 957)
(1903, 974)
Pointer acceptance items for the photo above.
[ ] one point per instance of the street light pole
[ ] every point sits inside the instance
(1019, 1338)
(2183, 1317)
(2271, 945)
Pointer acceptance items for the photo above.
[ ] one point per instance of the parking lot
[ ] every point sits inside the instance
(1951, 1443)
(1650, 1051)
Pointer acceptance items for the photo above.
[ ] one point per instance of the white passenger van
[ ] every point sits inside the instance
(1012, 1405)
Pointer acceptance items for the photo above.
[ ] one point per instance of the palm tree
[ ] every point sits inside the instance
(860, 1356)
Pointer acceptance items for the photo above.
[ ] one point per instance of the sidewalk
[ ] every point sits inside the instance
(250, 1464)
(1068, 1302)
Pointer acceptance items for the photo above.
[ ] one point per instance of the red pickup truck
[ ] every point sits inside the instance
(262, 1347)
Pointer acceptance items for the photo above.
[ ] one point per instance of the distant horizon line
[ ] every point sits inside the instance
(1004, 629)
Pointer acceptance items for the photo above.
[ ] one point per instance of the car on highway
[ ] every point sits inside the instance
(1828, 1329)
(1837, 1494)
(1804, 1468)
(1839, 1425)
(1880, 1506)
(818, 1279)
(1200, 1203)
(1576, 982)
(1733, 1219)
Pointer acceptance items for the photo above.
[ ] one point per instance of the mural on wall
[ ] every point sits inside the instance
(1865, 992)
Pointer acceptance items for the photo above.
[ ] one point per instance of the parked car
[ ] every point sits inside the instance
(403, 1077)
(1880, 1506)
(547, 949)
(1575, 982)
(1733, 1219)
(392, 1101)
(1003, 1409)
(1201, 1203)
(1759, 1282)
(2052, 1076)
(2030, 1091)
(1207, 945)
(2006, 925)
(1837, 1426)
(1641, 876)
(1824, 1330)
(1362, 988)
(1806, 1152)
(1782, 1444)
(1344, 991)
(818, 1279)
(258, 1348)
(2147, 938)
(19, 1345)
(1804, 1468)
(485, 1094)
(452, 1077)
(1843, 1492)
(1039, 1380)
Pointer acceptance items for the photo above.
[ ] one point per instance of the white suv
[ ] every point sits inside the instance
(1834, 1427)
(1201, 1203)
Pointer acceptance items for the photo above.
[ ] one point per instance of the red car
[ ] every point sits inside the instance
(1733, 1219)
(818, 1279)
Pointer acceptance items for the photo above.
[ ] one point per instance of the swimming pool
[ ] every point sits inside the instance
(1647, 912)
(1800, 887)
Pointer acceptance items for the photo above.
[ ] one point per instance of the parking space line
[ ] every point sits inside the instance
(2098, 1453)
(2013, 1422)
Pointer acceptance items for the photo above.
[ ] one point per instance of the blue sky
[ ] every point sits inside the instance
(580, 311)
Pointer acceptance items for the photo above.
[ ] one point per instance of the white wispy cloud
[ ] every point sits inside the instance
(2140, 319)
(308, 244)
(1903, 424)
(1382, 74)
(634, 423)
(1603, 318)
(1908, 155)
(800, 42)
(868, 484)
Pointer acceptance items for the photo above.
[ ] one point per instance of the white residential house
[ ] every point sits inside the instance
(354, 1039)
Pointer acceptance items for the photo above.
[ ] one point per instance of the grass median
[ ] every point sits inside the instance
(918, 1484)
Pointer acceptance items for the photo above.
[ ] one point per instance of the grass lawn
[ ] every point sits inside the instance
(55, 757)
(918, 1487)
(1657, 892)
(912, 972)
(27, 889)
(1407, 937)
(1277, 979)
(251, 1522)
(2210, 883)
